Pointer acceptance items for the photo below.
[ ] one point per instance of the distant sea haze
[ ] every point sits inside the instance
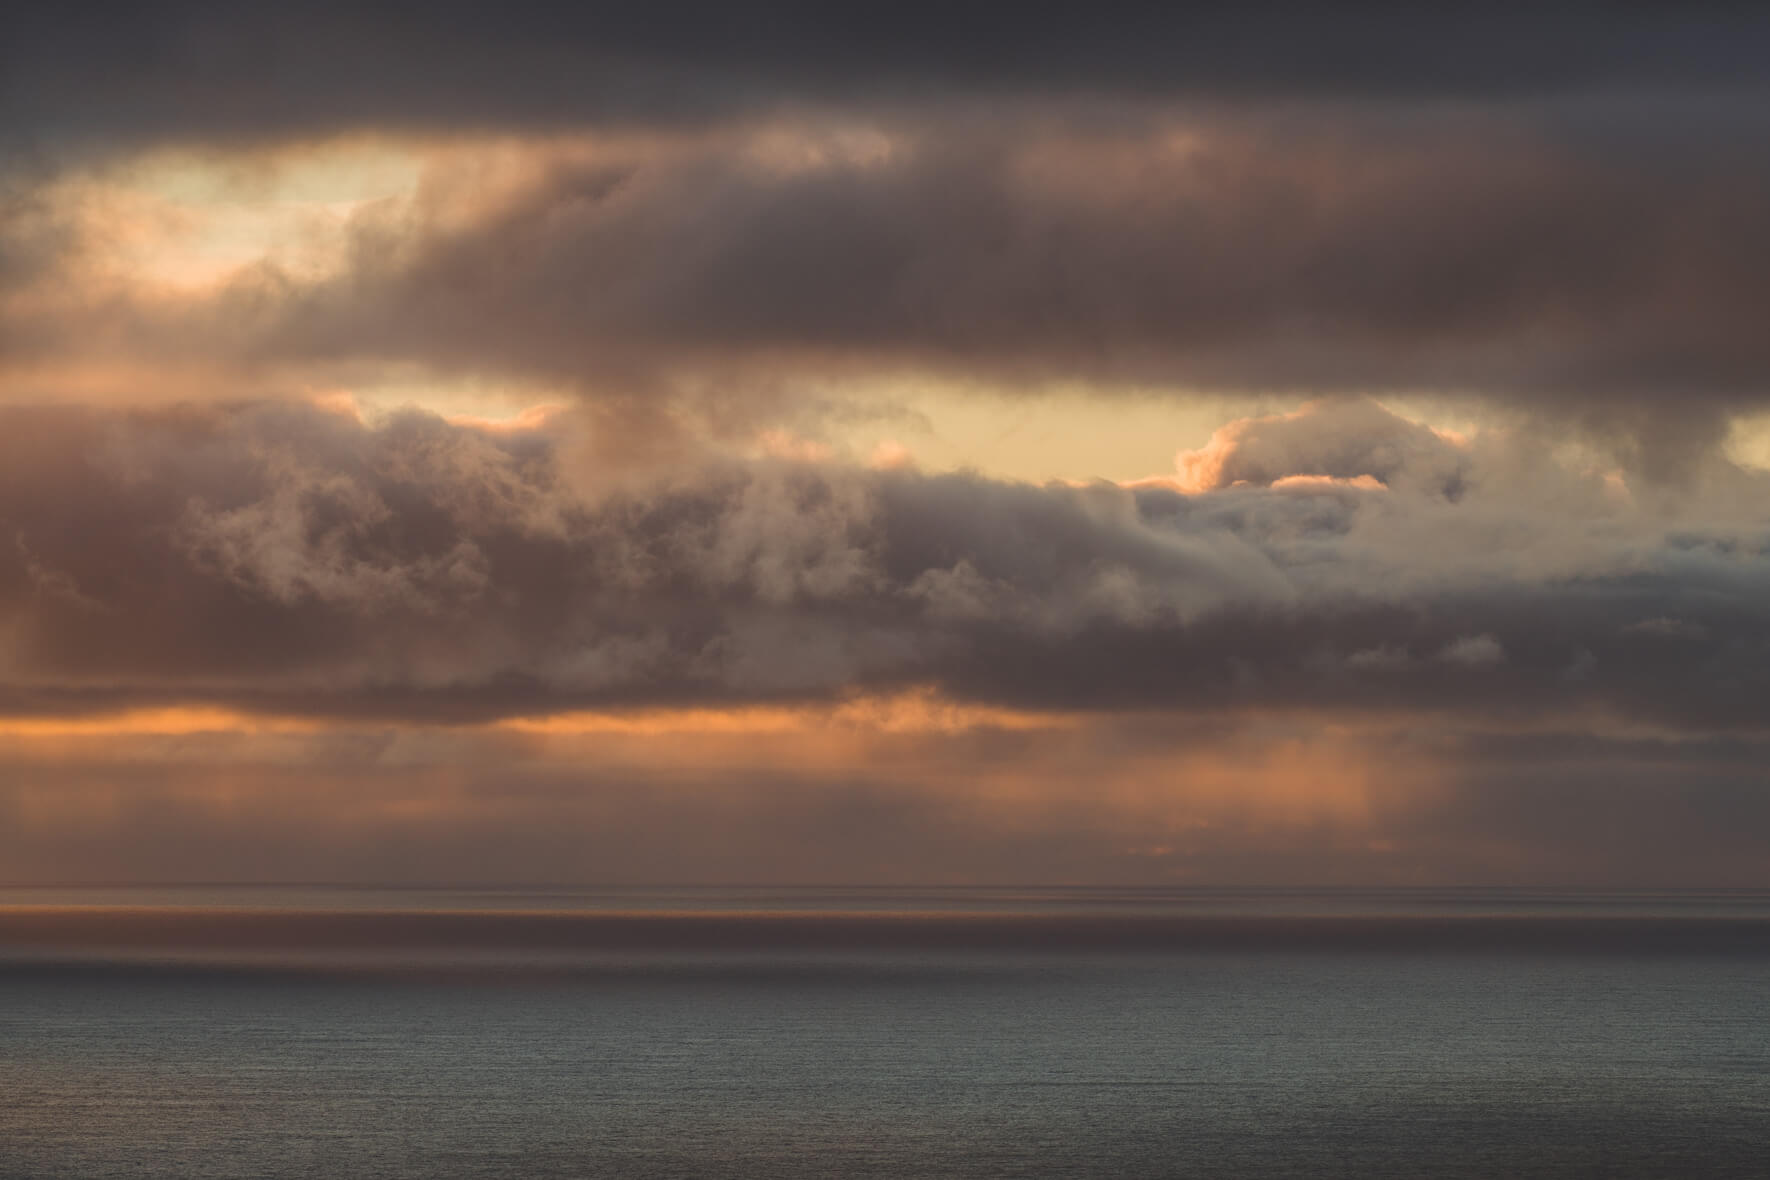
(316, 1032)
(308, 926)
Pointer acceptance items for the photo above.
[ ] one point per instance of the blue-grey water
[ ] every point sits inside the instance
(883, 1033)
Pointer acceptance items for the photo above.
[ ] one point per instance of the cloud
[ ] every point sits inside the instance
(1667, 628)
(195, 69)
(1379, 657)
(1353, 440)
(1540, 267)
(1332, 644)
(1144, 799)
(289, 558)
(1474, 651)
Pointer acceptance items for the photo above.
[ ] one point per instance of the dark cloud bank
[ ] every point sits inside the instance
(209, 70)
(1270, 259)
(284, 558)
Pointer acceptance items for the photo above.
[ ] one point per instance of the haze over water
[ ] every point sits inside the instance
(882, 1033)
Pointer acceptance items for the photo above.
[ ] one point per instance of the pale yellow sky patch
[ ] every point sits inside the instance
(1064, 434)
(1748, 441)
(190, 219)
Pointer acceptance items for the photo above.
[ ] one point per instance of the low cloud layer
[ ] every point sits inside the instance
(289, 558)
(1143, 800)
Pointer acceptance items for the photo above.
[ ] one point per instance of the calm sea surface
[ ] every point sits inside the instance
(324, 1033)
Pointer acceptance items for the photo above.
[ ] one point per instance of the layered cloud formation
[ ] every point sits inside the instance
(420, 422)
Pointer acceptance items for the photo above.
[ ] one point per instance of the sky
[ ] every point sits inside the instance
(1255, 443)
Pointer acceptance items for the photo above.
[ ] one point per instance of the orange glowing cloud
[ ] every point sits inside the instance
(171, 721)
(890, 790)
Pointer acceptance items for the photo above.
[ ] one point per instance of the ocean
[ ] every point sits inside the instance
(311, 1032)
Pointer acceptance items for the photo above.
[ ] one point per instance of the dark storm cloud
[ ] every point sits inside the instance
(285, 558)
(203, 70)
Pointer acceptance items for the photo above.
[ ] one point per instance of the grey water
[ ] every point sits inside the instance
(789, 1033)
